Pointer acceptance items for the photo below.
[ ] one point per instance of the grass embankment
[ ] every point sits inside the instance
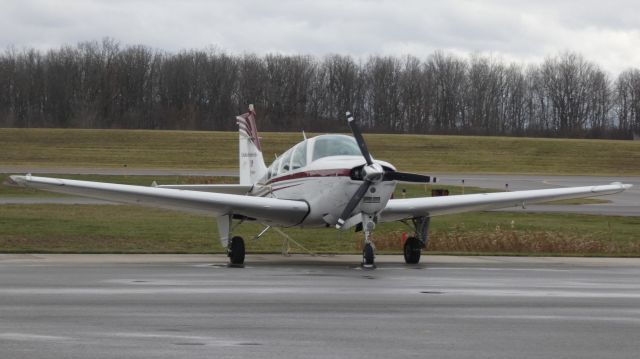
(219, 150)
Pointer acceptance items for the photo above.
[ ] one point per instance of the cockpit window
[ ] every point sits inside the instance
(335, 145)
(284, 162)
(293, 159)
(299, 158)
(273, 169)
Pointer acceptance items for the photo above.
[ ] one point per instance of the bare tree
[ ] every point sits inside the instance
(627, 103)
(449, 75)
(105, 85)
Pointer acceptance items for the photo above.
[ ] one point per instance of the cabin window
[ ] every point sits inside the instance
(273, 169)
(284, 163)
(299, 158)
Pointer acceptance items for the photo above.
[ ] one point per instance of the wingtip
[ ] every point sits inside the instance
(15, 180)
(623, 185)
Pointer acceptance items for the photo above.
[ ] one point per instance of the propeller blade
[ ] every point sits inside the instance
(353, 202)
(357, 134)
(406, 177)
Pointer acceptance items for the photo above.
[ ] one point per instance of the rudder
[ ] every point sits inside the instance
(252, 166)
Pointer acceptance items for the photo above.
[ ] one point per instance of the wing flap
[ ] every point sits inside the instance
(268, 210)
(214, 188)
(398, 209)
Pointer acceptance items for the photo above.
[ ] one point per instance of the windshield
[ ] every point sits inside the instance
(335, 145)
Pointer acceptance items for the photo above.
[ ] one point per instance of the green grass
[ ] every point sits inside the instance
(132, 229)
(53, 148)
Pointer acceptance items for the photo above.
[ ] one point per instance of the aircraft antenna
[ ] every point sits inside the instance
(304, 135)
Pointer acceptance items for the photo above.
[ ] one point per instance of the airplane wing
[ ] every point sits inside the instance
(398, 209)
(267, 210)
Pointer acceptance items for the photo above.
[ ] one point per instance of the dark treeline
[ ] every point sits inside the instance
(105, 85)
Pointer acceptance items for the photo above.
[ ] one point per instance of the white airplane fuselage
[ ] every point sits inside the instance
(326, 185)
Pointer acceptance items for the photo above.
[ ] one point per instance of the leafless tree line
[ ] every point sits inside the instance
(105, 85)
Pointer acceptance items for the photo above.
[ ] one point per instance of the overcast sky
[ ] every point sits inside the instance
(606, 32)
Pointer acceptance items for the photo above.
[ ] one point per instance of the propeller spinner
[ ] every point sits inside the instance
(372, 173)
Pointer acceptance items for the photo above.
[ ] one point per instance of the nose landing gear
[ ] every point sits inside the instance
(368, 256)
(368, 251)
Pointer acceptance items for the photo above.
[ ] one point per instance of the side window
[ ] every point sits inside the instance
(299, 158)
(284, 163)
(273, 169)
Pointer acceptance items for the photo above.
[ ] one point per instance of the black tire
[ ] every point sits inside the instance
(236, 251)
(368, 255)
(412, 250)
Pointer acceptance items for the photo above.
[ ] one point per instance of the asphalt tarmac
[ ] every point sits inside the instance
(182, 306)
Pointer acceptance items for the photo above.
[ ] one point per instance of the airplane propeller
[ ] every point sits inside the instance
(372, 173)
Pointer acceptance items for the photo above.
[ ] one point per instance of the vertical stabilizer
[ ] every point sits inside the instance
(252, 167)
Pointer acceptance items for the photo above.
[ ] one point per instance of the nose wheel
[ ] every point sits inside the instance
(368, 256)
(235, 251)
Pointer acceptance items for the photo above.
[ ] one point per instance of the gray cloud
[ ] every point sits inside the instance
(523, 31)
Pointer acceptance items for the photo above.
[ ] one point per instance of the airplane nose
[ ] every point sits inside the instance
(373, 172)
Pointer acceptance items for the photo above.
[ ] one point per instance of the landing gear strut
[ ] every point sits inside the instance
(235, 251)
(368, 251)
(235, 245)
(413, 245)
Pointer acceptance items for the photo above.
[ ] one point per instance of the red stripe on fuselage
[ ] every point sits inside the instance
(340, 172)
(284, 187)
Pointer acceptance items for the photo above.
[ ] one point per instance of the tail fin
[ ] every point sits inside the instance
(252, 167)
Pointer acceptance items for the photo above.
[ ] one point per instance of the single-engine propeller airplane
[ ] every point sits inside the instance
(325, 181)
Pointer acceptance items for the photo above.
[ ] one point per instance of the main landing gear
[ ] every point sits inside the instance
(412, 250)
(235, 245)
(235, 251)
(413, 245)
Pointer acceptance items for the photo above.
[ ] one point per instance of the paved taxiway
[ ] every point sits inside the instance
(181, 306)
